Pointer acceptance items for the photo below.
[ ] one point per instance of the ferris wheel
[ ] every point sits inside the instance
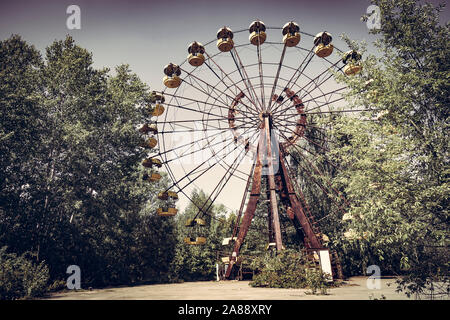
(231, 116)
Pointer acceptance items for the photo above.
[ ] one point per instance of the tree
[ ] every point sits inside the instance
(394, 170)
(20, 276)
(71, 188)
(22, 130)
(198, 262)
(314, 171)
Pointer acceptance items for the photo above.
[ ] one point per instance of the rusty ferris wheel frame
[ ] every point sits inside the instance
(266, 127)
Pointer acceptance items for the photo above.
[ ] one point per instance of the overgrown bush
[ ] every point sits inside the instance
(317, 280)
(288, 269)
(285, 270)
(20, 276)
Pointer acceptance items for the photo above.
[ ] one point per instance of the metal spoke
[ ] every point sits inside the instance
(312, 80)
(233, 82)
(230, 173)
(280, 64)
(207, 160)
(261, 75)
(286, 129)
(244, 75)
(314, 168)
(212, 87)
(309, 151)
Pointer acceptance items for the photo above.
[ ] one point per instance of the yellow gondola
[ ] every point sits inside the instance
(257, 33)
(164, 195)
(273, 245)
(291, 34)
(172, 82)
(158, 110)
(147, 163)
(159, 100)
(172, 195)
(322, 41)
(196, 51)
(158, 97)
(153, 176)
(150, 143)
(148, 128)
(172, 78)
(166, 212)
(352, 69)
(352, 62)
(150, 162)
(225, 39)
(194, 222)
(156, 162)
(195, 241)
(227, 241)
(323, 51)
(225, 259)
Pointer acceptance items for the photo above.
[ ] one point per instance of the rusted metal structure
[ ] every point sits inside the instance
(261, 110)
(279, 183)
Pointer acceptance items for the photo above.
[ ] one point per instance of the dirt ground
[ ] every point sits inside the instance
(354, 288)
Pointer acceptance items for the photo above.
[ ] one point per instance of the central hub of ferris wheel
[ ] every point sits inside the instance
(265, 114)
(208, 97)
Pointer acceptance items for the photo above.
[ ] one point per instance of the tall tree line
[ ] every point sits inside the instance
(71, 189)
(392, 164)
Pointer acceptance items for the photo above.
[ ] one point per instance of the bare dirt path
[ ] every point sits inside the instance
(353, 289)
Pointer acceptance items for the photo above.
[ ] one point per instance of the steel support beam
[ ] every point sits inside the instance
(249, 210)
(272, 186)
(311, 239)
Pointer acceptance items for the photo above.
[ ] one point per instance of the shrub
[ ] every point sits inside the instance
(288, 269)
(285, 270)
(20, 277)
(316, 280)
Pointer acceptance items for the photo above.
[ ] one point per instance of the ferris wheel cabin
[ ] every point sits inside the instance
(257, 33)
(291, 34)
(352, 62)
(196, 51)
(323, 46)
(225, 39)
(172, 78)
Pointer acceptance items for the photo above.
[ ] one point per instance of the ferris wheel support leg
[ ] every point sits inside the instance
(249, 210)
(272, 188)
(270, 220)
(312, 241)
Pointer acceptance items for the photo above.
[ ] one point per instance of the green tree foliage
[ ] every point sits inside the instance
(20, 276)
(314, 171)
(257, 237)
(71, 179)
(198, 262)
(379, 185)
(21, 132)
(288, 269)
(284, 270)
(395, 169)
